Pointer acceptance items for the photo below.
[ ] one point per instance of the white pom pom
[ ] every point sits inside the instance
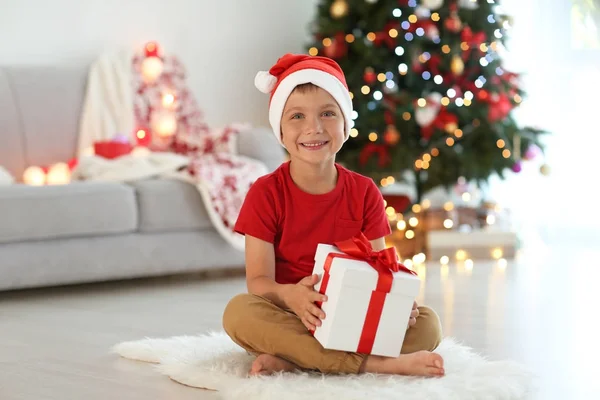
(264, 81)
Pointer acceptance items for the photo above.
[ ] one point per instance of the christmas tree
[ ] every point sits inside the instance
(432, 98)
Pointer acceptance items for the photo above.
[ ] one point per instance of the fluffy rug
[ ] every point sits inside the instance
(214, 362)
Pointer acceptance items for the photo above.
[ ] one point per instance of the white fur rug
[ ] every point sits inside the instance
(214, 362)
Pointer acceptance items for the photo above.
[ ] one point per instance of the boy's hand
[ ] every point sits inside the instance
(413, 315)
(301, 299)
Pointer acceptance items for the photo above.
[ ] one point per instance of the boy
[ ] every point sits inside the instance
(306, 201)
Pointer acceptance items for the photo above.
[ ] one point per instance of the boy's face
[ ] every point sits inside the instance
(312, 125)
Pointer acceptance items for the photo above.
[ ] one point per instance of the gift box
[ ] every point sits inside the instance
(370, 297)
(112, 149)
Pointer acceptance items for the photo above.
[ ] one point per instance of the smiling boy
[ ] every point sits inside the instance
(310, 200)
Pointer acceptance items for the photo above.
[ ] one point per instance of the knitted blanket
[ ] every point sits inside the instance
(196, 153)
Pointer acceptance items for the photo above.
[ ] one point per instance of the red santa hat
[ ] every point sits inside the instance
(292, 70)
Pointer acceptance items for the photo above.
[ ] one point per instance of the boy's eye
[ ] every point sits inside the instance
(297, 116)
(329, 114)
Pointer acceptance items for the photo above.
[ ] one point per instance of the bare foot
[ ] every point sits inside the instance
(266, 364)
(421, 363)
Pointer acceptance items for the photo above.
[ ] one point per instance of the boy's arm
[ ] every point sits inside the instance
(260, 271)
(378, 244)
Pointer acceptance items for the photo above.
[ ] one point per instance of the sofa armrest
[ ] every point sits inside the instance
(261, 145)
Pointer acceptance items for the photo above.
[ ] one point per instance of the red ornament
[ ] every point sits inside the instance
(483, 95)
(338, 47)
(369, 76)
(151, 49)
(499, 107)
(112, 149)
(375, 149)
(391, 135)
(453, 23)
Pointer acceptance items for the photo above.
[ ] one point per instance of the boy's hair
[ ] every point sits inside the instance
(305, 87)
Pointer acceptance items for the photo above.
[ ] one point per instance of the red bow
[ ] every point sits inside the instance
(372, 148)
(384, 262)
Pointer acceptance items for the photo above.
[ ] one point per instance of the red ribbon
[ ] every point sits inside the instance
(372, 148)
(384, 262)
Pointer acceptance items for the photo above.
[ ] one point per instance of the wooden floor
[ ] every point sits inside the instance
(541, 311)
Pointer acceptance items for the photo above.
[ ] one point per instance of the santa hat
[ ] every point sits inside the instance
(292, 70)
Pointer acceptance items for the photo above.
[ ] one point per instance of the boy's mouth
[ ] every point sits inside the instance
(314, 145)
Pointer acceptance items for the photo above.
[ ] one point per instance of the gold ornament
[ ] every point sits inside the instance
(545, 170)
(457, 65)
(339, 9)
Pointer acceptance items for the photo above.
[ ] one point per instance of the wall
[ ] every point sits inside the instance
(223, 43)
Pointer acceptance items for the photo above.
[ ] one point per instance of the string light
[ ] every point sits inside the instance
(518, 99)
(397, 12)
(409, 36)
(416, 208)
(351, 95)
(468, 264)
(491, 19)
(365, 89)
(506, 153)
(484, 62)
(419, 258)
(426, 157)
(372, 136)
(393, 33)
(381, 77)
(419, 164)
(403, 69)
(420, 31)
(426, 75)
(490, 219)
(401, 225)
(390, 84)
(444, 260)
(405, 25)
(448, 223)
(141, 134)
(412, 18)
(464, 46)
(438, 79)
(389, 210)
(467, 102)
(410, 234)
(466, 196)
(445, 101)
(371, 36)
(435, 152)
(459, 102)
(497, 253)
(500, 143)
(435, 17)
(350, 38)
(426, 204)
(377, 95)
(468, 95)
(502, 263)
(446, 49)
(461, 255)
(413, 221)
(450, 141)
(399, 50)
(422, 102)
(458, 133)
(498, 34)
(451, 93)
(327, 42)
(494, 46)
(353, 132)
(406, 116)
(313, 51)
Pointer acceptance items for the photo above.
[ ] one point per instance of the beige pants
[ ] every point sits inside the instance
(261, 327)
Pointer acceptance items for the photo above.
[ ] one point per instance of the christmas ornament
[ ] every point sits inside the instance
(432, 4)
(369, 76)
(453, 23)
(422, 12)
(391, 136)
(532, 152)
(424, 116)
(457, 66)
(339, 9)
(545, 169)
(34, 176)
(337, 48)
(499, 107)
(152, 68)
(151, 49)
(58, 174)
(517, 167)
(468, 4)
(432, 32)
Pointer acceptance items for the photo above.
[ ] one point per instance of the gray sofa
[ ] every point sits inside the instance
(85, 231)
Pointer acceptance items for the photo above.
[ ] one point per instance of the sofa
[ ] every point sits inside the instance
(92, 231)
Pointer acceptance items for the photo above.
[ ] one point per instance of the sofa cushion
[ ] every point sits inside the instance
(78, 209)
(167, 205)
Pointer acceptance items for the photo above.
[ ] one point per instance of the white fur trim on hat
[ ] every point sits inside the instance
(264, 81)
(318, 78)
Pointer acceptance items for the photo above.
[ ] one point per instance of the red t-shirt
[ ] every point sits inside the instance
(279, 212)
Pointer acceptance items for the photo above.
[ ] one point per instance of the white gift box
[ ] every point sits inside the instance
(349, 289)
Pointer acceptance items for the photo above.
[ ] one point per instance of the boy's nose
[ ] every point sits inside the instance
(314, 125)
